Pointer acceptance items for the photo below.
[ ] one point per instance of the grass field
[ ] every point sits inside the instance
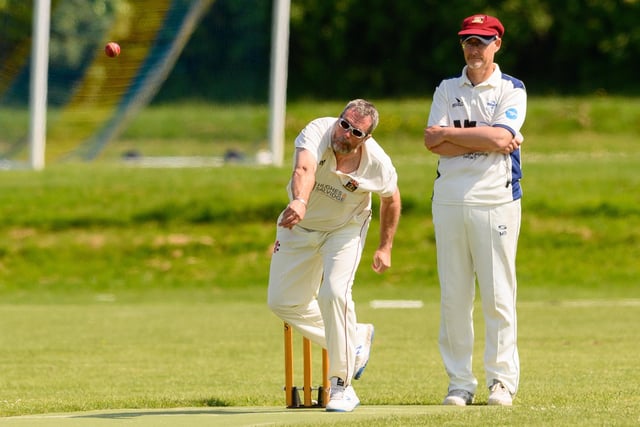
(125, 287)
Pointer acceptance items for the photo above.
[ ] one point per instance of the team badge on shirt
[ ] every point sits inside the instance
(352, 185)
(512, 113)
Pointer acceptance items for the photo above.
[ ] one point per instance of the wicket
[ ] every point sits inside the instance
(291, 391)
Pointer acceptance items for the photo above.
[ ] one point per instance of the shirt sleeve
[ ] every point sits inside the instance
(385, 174)
(315, 136)
(439, 114)
(512, 109)
(391, 184)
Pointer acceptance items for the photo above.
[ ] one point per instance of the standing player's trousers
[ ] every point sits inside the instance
(310, 283)
(478, 242)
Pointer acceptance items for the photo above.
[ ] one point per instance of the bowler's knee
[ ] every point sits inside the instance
(279, 309)
(327, 297)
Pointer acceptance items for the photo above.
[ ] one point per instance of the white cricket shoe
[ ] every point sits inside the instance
(365, 333)
(341, 398)
(499, 395)
(458, 397)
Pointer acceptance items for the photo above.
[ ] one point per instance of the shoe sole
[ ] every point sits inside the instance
(455, 402)
(341, 410)
(361, 370)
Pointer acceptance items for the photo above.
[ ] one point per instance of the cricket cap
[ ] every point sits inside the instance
(483, 27)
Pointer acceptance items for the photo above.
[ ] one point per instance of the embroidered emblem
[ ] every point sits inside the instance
(352, 185)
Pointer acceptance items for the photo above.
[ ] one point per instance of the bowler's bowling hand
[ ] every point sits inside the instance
(293, 214)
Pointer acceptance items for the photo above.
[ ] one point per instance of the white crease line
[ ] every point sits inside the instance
(584, 303)
(395, 303)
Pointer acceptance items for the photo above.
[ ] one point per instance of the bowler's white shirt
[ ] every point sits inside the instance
(339, 197)
(479, 178)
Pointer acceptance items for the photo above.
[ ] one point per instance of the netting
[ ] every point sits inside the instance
(91, 97)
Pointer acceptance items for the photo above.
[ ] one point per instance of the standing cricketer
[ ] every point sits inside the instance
(321, 235)
(474, 127)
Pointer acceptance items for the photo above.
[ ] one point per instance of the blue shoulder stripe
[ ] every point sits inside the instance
(518, 84)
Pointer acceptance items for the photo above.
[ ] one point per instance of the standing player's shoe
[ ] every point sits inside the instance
(341, 398)
(499, 395)
(363, 347)
(458, 397)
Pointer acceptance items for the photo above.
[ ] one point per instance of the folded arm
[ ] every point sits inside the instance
(452, 141)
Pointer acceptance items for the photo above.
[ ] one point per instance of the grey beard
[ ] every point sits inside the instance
(341, 149)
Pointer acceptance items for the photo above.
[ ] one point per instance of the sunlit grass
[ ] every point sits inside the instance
(130, 287)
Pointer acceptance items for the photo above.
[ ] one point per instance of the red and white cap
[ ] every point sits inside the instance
(483, 27)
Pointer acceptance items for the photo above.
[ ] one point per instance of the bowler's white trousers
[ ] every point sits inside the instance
(310, 283)
(478, 242)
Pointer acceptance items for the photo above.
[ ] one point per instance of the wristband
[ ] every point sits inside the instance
(301, 200)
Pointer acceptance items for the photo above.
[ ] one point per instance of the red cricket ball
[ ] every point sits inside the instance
(112, 49)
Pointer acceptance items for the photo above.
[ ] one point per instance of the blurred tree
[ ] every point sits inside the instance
(346, 48)
(377, 48)
(227, 57)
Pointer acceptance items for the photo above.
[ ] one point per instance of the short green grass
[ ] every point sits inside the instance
(578, 358)
(124, 287)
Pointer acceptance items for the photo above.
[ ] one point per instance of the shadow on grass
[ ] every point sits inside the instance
(129, 414)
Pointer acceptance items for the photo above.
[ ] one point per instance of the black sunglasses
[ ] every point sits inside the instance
(354, 131)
